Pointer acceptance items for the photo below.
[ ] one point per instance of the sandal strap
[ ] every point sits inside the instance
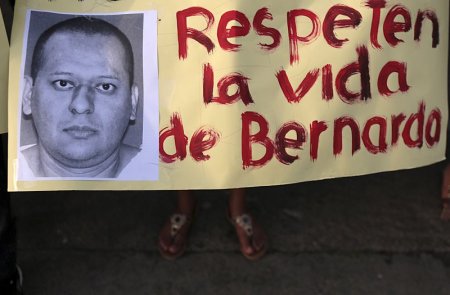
(177, 221)
(245, 222)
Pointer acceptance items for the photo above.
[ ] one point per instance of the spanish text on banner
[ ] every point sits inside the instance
(146, 95)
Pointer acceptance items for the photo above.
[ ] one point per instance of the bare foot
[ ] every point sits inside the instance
(445, 214)
(251, 236)
(173, 238)
(174, 235)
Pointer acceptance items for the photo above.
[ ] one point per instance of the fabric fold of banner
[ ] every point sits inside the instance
(4, 54)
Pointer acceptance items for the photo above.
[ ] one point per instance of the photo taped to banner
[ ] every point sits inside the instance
(84, 103)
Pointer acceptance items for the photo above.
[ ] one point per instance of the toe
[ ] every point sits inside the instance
(244, 241)
(165, 238)
(178, 243)
(248, 250)
(259, 239)
(164, 242)
(174, 249)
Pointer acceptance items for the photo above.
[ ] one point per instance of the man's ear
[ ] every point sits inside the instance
(134, 101)
(27, 94)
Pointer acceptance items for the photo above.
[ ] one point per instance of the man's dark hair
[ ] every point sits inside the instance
(86, 25)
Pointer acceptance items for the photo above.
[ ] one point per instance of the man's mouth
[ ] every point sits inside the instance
(80, 132)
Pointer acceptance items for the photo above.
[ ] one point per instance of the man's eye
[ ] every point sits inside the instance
(63, 85)
(106, 87)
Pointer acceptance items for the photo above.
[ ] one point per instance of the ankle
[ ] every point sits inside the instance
(185, 210)
(236, 206)
(236, 211)
(185, 202)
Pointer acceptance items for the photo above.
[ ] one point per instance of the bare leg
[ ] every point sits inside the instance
(173, 246)
(250, 246)
(185, 202)
(236, 202)
(445, 194)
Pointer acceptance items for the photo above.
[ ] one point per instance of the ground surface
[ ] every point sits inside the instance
(375, 234)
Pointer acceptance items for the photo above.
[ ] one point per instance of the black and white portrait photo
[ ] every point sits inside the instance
(89, 97)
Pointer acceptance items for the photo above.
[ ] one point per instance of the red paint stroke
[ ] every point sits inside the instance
(397, 120)
(184, 32)
(259, 138)
(316, 127)
(382, 144)
(391, 27)
(431, 15)
(176, 131)
(224, 33)
(416, 119)
(361, 67)
(435, 117)
(202, 140)
(339, 125)
(376, 6)
(241, 82)
(327, 82)
(302, 89)
(294, 39)
(282, 142)
(331, 23)
(386, 71)
(261, 15)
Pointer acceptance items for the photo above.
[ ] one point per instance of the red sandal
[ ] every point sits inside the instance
(178, 225)
(246, 223)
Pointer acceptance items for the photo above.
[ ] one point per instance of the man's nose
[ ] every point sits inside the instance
(82, 100)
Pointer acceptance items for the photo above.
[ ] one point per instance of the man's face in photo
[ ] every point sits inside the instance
(82, 98)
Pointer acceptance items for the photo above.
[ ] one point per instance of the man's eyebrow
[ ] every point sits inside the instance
(62, 73)
(113, 77)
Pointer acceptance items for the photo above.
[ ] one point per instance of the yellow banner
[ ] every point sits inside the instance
(124, 95)
(4, 54)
